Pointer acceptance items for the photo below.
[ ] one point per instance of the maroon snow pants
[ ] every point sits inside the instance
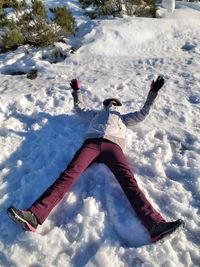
(101, 151)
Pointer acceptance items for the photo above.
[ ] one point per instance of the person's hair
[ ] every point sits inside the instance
(107, 101)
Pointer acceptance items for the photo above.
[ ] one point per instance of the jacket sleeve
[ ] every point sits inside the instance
(132, 118)
(86, 113)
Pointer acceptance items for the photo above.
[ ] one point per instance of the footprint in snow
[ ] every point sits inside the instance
(49, 91)
(29, 97)
(194, 99)
(188, 46)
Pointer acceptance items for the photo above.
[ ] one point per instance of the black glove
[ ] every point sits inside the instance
(155, 86)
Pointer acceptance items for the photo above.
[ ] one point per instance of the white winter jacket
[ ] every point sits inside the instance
(109, 123)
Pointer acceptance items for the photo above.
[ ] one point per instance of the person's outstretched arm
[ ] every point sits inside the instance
(86, 113)
(133, 118)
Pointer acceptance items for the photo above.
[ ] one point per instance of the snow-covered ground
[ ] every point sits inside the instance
(39, 133)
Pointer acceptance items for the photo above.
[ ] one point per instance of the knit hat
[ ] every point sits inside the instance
(106, 101)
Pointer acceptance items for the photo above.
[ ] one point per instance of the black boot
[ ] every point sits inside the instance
(161, 229)
(26, 218)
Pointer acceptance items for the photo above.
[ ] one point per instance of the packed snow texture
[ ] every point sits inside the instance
(94, 224)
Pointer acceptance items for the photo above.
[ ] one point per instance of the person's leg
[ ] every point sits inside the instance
(48, 200)
(114, 158)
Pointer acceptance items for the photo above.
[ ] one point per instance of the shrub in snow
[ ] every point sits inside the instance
(54, 55)
(13, 4)
(120, 7)
(31, 25)
(109, 7)
(64, 18)
(38, 32)
(140, 8)
(103, 7)
(38, 9)
(7, 23)
(12, 39)
(32, 74)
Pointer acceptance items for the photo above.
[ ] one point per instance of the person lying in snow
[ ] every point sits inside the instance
(103, 142)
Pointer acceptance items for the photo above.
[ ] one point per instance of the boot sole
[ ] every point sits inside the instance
(16, 218)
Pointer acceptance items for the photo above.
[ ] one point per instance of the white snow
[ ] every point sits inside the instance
(94, 224)
(169, 5)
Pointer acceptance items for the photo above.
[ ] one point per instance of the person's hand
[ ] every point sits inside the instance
(155, 86)
(75, 84)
